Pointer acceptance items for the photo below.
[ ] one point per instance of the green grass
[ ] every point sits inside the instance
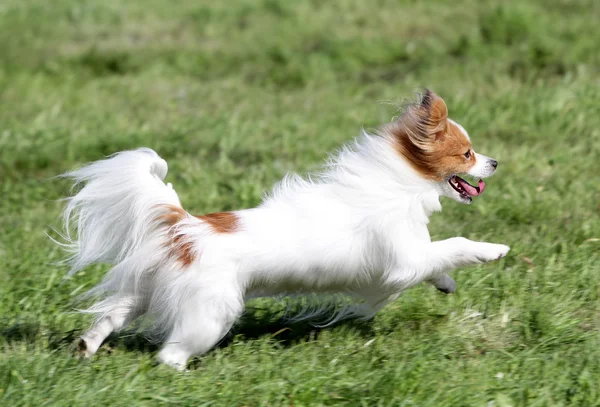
(235, 94)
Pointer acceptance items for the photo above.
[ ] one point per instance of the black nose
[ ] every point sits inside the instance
(494, 163)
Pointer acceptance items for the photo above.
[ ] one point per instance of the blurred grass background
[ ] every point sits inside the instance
(234, 95)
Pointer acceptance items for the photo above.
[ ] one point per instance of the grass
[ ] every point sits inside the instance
(235, 94)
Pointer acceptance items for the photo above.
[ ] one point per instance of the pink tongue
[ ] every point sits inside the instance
(470, 189)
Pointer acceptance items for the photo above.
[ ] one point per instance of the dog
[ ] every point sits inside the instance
(359, 227)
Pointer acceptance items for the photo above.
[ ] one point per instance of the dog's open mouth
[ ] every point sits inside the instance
(465, 189)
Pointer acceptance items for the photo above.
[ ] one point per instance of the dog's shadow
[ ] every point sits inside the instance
(32, 334)
(252, 325)
(255, 325)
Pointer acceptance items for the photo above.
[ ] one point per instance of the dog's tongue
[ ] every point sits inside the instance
(470, 189)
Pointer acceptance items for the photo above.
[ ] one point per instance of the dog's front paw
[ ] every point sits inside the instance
(491, 251)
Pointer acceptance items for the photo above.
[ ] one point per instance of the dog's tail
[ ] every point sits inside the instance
(117, 209)
(125, 215)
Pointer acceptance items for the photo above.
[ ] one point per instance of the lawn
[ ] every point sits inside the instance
(236, 94)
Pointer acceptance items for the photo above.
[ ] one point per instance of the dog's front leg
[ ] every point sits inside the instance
(445, 255)
(431, 261)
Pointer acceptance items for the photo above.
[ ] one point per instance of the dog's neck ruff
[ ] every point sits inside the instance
(370, 175)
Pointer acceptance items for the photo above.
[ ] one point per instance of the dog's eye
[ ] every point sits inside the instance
(468, 154)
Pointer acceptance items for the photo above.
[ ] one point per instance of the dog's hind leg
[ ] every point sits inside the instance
(203, 319)
(116, 313)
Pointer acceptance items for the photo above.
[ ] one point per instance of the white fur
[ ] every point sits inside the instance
(483, 166)
(359, 228)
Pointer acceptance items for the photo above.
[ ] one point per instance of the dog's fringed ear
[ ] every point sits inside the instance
(426, 120)
(435, 112)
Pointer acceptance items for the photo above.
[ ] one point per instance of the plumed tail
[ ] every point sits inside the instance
(115, 210)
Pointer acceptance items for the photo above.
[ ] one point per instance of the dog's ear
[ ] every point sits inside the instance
(426, 120)
(433, 115)
(423, 122)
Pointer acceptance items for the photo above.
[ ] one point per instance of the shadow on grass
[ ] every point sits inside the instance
(30, 333)
(20, 332)
(253, 325)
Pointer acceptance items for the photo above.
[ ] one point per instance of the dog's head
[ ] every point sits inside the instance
(440, 149)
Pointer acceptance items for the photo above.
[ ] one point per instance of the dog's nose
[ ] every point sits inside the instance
(494, 163)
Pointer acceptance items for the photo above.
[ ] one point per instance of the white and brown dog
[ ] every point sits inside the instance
(358, 228)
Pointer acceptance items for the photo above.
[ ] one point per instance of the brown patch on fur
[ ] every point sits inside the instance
(425, 137)
(172, 216)
(222, 222)
(180, 245)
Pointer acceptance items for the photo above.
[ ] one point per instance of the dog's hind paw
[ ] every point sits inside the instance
(445, 284)
(84, 348)
(80, 348)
